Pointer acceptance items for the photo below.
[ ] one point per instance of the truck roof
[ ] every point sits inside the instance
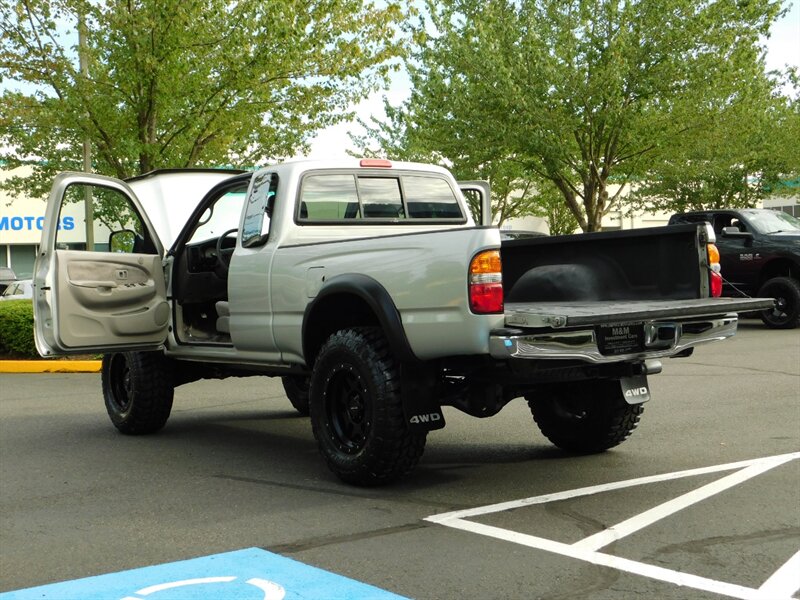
(310, 164)
(168, 196)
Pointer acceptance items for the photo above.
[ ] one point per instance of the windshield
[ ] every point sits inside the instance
(773, 221)
(222, 216)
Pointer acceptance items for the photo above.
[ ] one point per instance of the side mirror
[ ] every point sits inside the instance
(122, 241)
(733, 232)
(482, 205)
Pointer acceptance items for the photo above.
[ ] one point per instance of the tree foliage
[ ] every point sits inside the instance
(747, 152)
(182, 83)
(515, 191)
(591, 95)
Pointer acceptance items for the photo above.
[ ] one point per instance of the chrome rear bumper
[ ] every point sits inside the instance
(661, 339)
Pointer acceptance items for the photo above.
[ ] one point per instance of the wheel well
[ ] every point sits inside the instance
(779, 268)
(332, 313)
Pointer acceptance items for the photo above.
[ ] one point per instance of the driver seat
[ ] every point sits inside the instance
(223, 323)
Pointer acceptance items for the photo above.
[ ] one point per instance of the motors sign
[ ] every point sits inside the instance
(32, 223)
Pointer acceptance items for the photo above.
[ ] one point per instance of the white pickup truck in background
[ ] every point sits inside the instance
(371, 290)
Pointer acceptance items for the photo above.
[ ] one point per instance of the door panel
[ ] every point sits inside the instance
(107, 296)
(94, 292)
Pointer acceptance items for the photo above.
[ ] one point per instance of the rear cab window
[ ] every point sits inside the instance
(377, 197)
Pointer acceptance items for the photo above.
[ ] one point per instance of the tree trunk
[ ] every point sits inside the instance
(595, 200)
(572, 201)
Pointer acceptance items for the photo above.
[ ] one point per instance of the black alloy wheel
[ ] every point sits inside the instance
(357, 411)
(137, 390)
(347, 409)
(786, 312)
(121, 396)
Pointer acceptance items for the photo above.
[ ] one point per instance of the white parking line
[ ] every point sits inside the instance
(596, 489)
(634, 524)
(781, 585)
(785, 581)
(616, 562)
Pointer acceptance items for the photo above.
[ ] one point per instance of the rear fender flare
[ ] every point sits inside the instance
(377, 299)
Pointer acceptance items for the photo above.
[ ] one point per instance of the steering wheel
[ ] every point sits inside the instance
(220, 261)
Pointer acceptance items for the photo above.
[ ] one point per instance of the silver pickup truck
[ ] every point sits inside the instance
(370, 289)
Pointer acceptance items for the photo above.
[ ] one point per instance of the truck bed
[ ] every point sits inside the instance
(583, 313)
(657, 263)
(597, 279)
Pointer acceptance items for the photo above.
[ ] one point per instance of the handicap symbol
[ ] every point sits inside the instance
(272, 591)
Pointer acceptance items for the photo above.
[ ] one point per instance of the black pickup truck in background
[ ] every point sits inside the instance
(759, 256)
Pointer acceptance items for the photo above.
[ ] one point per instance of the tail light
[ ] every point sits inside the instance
(714, 275)
(486, 283)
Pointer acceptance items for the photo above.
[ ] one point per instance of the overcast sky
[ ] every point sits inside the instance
(783, 48)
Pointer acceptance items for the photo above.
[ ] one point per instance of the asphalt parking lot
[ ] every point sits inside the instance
(703, 501)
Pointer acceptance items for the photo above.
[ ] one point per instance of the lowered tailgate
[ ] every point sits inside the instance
(578, 314)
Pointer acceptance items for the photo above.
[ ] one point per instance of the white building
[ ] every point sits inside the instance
(20, 228)
(21, 220)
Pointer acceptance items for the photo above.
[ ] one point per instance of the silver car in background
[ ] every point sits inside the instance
(18, 290)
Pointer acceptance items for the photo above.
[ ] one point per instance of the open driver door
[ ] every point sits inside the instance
(98, 288)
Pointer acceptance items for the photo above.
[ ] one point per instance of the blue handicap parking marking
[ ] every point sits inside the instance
(250, 574)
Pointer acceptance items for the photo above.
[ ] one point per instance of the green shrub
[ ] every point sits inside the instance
(16, 329)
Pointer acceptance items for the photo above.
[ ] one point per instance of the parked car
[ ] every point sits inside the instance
(759, 255)
(19, 290)
(7, 277)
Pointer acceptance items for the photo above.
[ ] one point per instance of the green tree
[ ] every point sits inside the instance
(590, 95)
(747, 152)
(549, 205)
(182, 83)
(515, 191)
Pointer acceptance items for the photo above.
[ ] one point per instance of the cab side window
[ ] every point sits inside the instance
(100, 219)
(738, 224)
(721, 222)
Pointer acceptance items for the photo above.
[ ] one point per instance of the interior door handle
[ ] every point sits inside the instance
(89, 283)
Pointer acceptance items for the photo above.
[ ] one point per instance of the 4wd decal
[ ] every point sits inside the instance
(636, 392)
(425, 418)
(635, 389)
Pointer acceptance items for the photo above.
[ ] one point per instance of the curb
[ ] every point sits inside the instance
(50, 366)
